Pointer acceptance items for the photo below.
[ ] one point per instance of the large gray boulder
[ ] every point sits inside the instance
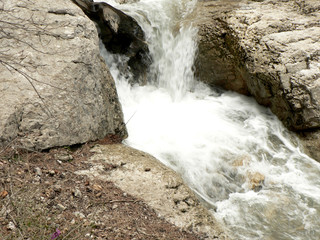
(270, 50)
(55, 88)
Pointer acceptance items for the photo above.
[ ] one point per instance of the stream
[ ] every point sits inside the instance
(235, 154)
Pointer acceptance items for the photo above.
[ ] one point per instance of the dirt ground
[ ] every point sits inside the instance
(42, 198)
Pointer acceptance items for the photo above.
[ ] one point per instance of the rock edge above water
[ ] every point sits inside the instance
(270, 50)
(144, 177)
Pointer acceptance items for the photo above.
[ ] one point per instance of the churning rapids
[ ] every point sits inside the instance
(218, 141)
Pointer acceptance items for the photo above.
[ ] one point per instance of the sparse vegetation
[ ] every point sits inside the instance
(40, 194)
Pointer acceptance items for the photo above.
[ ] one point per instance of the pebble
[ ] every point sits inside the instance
(79, 214)
(57, 188)
(36, 180)
(38, 171)
(64, 157)
(97, 187)
(115, 206)
(11, 226)
(77, 193)
(51, 172)
(62, 175)
(61, 207)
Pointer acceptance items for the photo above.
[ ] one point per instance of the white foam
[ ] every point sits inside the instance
(216, 140)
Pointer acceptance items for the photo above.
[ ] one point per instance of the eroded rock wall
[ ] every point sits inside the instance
(55, 88)
(268, 49)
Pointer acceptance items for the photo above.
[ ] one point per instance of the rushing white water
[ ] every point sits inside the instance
(218, 141)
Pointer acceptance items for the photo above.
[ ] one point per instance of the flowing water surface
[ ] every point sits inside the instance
(232, 152)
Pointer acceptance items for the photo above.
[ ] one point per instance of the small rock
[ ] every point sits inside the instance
(115, 206)
(61, 207)
(51, 172)
(256, 180)
(36, 180)
(79, 215)
(64, 157)
(125, 194)
(73, 221)
(57, 188)
(62, 175)
(97, 187)
(38, 171)
(77, 193)
(3, 194)
(11, 226)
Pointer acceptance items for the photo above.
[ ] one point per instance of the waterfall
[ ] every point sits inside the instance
(235, 154)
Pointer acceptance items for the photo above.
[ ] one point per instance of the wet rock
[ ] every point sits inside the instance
(256, 180)
(242, 161)
(270, 50)
(121, 34)
(267, 49)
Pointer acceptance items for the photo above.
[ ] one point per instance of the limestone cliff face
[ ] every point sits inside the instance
(55, 88)
(267, 49)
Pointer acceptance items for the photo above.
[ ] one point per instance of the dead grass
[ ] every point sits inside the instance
(39, 193)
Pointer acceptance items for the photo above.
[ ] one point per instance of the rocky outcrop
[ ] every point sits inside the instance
(55, 88)
(120, 34)
(144, 177)
(268, 49)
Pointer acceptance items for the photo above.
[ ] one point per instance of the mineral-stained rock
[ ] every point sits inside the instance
(120, 33)
(55, 88)
(268, 49)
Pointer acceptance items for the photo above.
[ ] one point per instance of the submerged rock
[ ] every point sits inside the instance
(256, 180)
(55, 87)
(267, 49)
(120, 33)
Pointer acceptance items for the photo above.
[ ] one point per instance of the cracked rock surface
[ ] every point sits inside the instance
(270, 50)
(55, 88)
